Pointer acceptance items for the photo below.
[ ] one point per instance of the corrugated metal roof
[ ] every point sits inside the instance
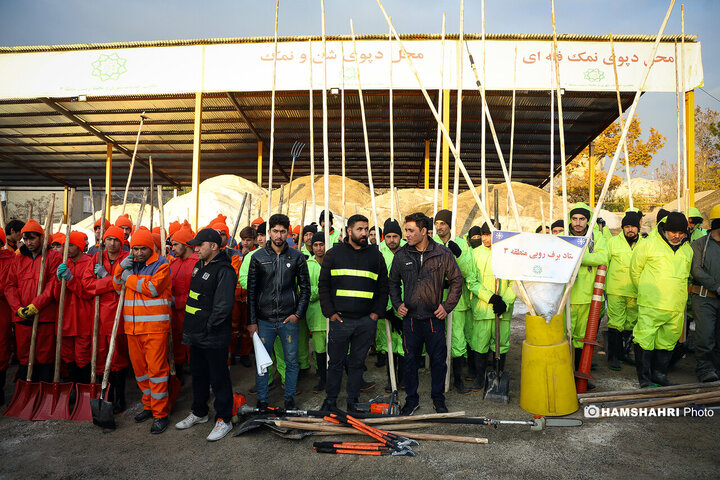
(407, 36)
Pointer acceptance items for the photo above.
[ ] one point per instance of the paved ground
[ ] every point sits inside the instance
(618, 447)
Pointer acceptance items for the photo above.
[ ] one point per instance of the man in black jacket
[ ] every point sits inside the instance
(421, 267)
(275, 275)
(207, 328)
(353, 293)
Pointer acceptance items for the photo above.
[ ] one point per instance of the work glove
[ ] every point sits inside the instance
(127, 262)
(125, 275)
(454, 248)
(498, 304)
(601, 223)
(100, 271)
(63, 271)
(27, 312)
(22, 313)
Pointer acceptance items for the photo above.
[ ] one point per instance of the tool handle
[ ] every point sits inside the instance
(111, 348)
(41, 281)
(96, 318)
(63, 289)
(391, 357)
(237, 220)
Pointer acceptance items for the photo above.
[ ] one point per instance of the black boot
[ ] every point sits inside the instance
(73, 374)
(400, 366)
(83, 374)
(471, 365)
(45, 372)
(501, 362)
(614, 349)
(643, 363)
(388, 385)
(677, 354)
(21, 373)
(481, 360)
(120, 404)
(321, 359)
(2, 386)
(381, 360)
(458, 384)
(578, 355)
(660, 364)
(626, 346)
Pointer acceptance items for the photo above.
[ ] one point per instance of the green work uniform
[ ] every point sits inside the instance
(660, 276)
(582, 291)
(481, 285)
(316, 321)
(462, 312)
(380, 333)
(621, 293)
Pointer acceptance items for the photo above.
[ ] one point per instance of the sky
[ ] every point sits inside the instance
(42, 22)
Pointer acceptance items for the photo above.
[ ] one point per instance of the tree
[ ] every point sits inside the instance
(640, 151)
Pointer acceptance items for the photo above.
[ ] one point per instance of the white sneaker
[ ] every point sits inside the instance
(191, 420)
(220, 429)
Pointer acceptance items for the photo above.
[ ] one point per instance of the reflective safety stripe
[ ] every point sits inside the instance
(158, 395)
(119, 282)
(141, 379)
(147, 392)
(138, 287)
(146, 318)
(153, 290)
(351, 272)
(193, 295)
(354, 293)
(147, 303)
(159, 379)
(191, 310)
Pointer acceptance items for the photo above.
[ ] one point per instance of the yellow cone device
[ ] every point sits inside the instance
(547, 384)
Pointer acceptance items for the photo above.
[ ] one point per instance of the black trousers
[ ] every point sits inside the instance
(431, 333)
(208, 366)
(357, 334)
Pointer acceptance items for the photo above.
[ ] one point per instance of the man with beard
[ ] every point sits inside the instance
(622, 307)
(659, 269)
(582, 290)
(308, 232)
(417, 275)
(353, 292)
(462, 313)
(388, 247)
(276, 274)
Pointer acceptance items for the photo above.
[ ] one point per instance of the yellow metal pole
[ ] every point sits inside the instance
(108, 180)
(690, 129)
(259, 163)
(65, 206)
(446, 150)
(591, 169)
(197, 131)
(427, 164)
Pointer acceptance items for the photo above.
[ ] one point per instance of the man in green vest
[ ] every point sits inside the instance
(315, 319)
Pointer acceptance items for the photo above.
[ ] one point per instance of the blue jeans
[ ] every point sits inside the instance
(288, 333)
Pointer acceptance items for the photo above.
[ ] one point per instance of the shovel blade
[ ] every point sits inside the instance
(497, 387)
(24, 400)
(251, 424)
(54, 401)
(102, 413)
(84, 392)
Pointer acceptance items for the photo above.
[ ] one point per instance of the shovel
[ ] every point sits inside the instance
(54, 401)
(23, 402)
(497, 382)
(82, 411)
(101, 409)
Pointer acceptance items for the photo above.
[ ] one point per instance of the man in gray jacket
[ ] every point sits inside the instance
(706, 300)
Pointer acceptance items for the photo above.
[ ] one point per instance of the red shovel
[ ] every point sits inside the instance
(83, 392)
(54, 401)
(23, 402)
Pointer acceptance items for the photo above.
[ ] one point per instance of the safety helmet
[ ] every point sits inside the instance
(715, 212)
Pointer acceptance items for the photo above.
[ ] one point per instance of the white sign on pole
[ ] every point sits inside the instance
(534, 257)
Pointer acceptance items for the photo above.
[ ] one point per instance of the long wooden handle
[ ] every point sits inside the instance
(237, 219)
(63, 289)
(391, 356)
(132, 163)
(111, 348)
(41, 281)
(96, 317)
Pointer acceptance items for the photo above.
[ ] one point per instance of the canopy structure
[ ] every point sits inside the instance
(66, 110)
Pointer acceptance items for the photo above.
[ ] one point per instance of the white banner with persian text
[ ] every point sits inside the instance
(535, 257)
(247, 67)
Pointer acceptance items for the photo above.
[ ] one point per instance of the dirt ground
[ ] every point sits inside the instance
(617, 447)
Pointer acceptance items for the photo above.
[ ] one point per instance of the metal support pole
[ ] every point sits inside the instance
(446, 151)
(259, 163)
(426, 184)
(65, 206)
(108, 180)
(197, 131)
(690, 129)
